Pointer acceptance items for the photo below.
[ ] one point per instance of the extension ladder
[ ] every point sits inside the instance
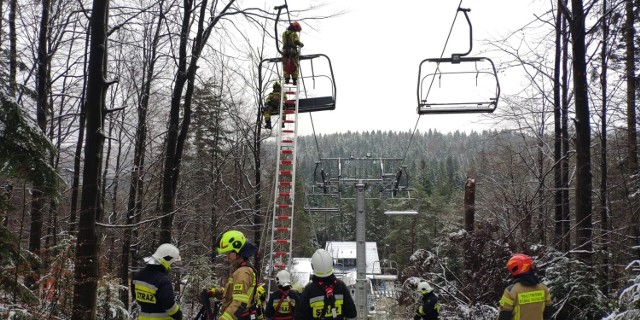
(283, 206)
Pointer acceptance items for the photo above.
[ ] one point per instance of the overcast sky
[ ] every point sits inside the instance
(376, 48)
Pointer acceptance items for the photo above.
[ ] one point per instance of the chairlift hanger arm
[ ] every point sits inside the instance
(279, 8)
(457, 56)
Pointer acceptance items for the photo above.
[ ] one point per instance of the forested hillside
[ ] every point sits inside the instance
(126, 125)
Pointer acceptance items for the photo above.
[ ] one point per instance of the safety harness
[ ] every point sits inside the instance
(329, 298)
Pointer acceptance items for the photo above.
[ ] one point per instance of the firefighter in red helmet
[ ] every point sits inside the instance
(527, 298)
(291, 52)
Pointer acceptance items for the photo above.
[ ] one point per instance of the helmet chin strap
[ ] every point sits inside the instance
(165, 264)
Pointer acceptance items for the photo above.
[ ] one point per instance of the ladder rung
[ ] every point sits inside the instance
(281, 241)
(289, 111)
(284, 206)
(287, 151)
(283, 217)
(289, 92)
(287, 131)
(285, 172)
(284, 194)
(286, 162)
(285, 183)
(280, 253)
(287, 141)
(279, 265)
(288, 121)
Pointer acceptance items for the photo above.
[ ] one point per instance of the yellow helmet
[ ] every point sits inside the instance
(232, 240)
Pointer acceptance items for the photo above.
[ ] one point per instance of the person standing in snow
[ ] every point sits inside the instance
(429, 309)
(526, 298)
(282, 302)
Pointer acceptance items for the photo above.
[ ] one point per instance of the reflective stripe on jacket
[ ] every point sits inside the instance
(312, 302)
(525, 302)
(152, 290)
(240, 288)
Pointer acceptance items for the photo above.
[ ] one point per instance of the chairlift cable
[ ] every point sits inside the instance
(415, 128)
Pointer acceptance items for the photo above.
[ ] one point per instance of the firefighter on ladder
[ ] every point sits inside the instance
(272, 104)
(291, 52)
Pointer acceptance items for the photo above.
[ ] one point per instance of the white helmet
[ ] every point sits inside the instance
(322, 263)
(424, 287)
(165, 255)
(283, 278)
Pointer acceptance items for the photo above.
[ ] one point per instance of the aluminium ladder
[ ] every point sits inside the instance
(283, 206)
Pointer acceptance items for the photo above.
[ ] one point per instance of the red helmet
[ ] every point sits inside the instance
(519, 264)
(296, 26)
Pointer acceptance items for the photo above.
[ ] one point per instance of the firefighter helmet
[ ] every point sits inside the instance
(322, 263)
(283, 278)
(165, 255)
(296, 26)
(519, 264)
(232, 240)
(276, 85)
(424, 287)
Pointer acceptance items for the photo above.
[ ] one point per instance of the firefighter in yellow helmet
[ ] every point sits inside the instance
(272, 104)
(526, 298)
(239, 293)
(291, 46)
(152, 289)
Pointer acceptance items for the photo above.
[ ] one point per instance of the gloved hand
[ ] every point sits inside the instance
(208, 292)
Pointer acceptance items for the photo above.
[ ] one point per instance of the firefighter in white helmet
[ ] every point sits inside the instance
(151, 286)
(429, 308)
(325, 297)
(283, 301)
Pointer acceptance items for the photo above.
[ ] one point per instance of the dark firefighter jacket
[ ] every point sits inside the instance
(281, 304)
(325, 298)
(526, 299)
(151, 287)
(429, 309)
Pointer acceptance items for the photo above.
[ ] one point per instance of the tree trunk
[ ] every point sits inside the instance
(583, 201)
(37, 196)
(13, 54)
(632, 155)
(176, 137)
(566, 207)
(469, 204)
(557, 130)
(77, 159)
(604, 192)
(86, 268)
(136, 186)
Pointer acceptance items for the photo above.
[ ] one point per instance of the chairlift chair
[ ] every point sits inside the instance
(450, 70)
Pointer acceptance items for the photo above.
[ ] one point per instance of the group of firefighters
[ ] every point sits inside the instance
(324, 297)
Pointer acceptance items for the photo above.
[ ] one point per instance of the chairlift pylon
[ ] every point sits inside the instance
(458, 99)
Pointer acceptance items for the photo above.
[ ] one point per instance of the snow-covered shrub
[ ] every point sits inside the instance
(575, 292)
(109, 306)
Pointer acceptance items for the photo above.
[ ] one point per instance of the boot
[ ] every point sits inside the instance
(287, 80)
(267, 124)
(295, 81)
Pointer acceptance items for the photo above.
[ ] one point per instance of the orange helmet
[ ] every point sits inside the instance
(519, 264)
(296, 26)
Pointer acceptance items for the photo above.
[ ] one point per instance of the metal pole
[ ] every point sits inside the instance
(361, 263)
